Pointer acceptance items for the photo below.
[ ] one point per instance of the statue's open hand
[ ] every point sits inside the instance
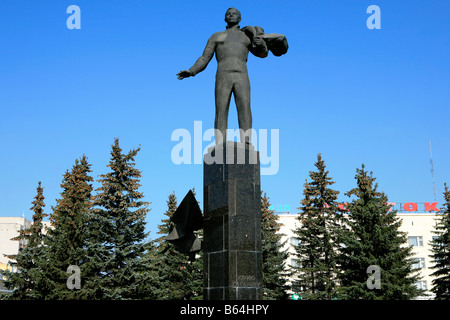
(184, 74)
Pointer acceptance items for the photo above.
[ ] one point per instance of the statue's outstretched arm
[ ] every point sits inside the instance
(201, 62)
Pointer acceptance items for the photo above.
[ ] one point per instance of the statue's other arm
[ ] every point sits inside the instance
(259, 47)
(206, 57)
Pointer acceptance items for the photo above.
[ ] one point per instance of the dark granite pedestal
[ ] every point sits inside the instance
(232, 223)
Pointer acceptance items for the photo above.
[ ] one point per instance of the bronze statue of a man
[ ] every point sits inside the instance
(231, 48)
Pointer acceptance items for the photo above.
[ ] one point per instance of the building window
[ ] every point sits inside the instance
(419, 263)
(436, 241)
(421, 285)
(415, 241)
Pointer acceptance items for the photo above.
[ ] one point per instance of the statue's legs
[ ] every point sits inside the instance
(222, 93)
(239, 84)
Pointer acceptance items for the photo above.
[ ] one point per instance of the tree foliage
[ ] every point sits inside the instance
(66, 241)
(317, 249)
(274, 272)
(372, 238)
(119, 217)
(441, 252)
(27, 283)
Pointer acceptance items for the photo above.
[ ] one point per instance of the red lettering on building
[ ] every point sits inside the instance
(402, 207)
(431, 206)
(392, 204)
(410, 206)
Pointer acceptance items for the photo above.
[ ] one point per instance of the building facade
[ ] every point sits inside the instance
(418, 226)
(9, 228)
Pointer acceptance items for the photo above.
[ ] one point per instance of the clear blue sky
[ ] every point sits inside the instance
(355, 95)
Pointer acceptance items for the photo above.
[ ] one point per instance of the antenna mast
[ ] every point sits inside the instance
(432, 172)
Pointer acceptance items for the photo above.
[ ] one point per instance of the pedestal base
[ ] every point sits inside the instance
(232, 223)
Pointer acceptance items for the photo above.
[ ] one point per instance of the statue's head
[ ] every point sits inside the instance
(232, 16)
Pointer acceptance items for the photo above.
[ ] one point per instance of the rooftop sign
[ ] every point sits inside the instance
(401, 207)
(409, 207)
(431, 207)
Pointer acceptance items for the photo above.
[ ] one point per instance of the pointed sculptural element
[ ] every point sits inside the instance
(186, 219)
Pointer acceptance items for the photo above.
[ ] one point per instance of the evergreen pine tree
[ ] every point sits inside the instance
(373, 239)
(150, 288)
(34, 235)
(120, 217)
(318, 247)
(441, 252)
(274, 273)
(193, 284)
(66, 242)
(28, 279)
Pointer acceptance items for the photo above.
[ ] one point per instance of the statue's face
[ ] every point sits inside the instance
(232, 16)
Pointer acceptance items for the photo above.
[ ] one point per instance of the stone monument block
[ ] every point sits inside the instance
(232, 223)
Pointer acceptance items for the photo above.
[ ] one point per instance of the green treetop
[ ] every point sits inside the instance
(120, 214)
(373, 243)
(317, 248)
